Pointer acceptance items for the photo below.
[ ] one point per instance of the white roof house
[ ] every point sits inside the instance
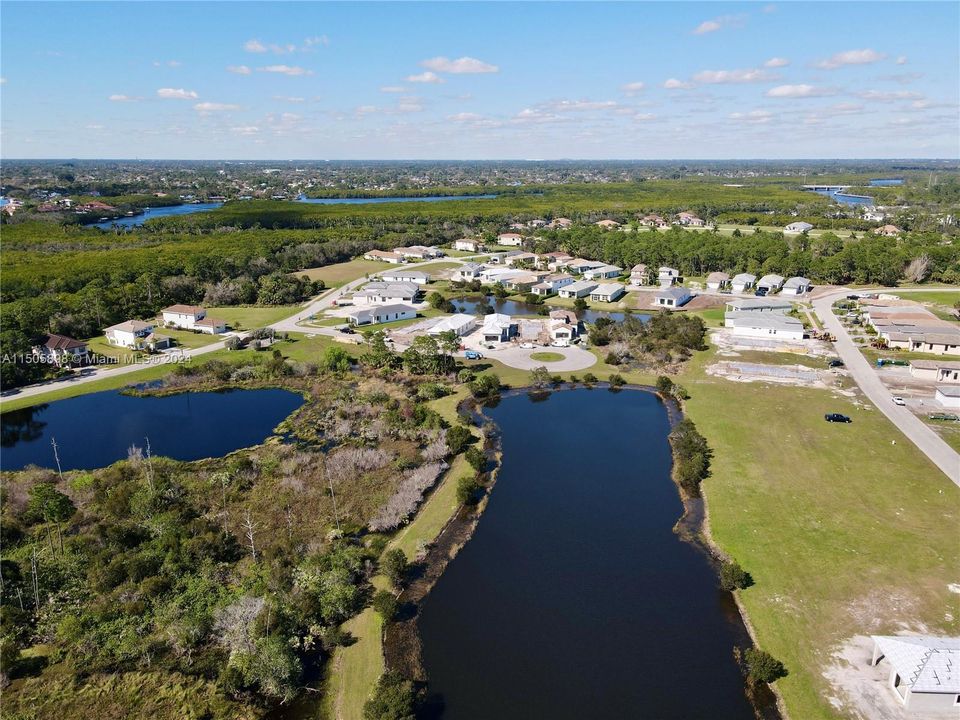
(498, 327)
(581, 288)
(770, 282)
(673, 297)
(390, 257)
(510, 239)
(607, 292)
(758, 305)
(798, 227)
(381, 293)
(128, 334)
(183, 316)
(795, 286)
(381, 314)
(468, 271)
(924, 670)
(420, 252)
(668, 275)
(717, 280)
(468, 245)
(948, 396)
(399, 275)
(461, 324)
(603, 272)
(764, 325)
(743, 281)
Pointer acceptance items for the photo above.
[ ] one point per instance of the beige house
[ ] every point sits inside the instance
(941, 371)
(924, 672)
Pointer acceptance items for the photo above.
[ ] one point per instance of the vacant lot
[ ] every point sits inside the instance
(342, 273)
(846, 529)
(252, 316)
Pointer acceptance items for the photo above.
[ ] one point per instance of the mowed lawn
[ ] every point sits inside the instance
(248, 317)
(342, 273)
(846, 529)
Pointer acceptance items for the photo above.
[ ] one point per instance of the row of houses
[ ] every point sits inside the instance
(400, 255)
(913, 328)
(762, 318)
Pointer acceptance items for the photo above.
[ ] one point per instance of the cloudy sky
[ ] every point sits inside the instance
(479, 80)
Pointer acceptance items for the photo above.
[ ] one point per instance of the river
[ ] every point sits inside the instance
(96, 430)
(137, 220)
(575, 599)
(370, 200)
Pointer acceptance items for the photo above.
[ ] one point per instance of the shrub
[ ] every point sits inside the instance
(395, 566)
(485, 386)
(335, 360)
(762, 666)
(734, 577)
(691, 456)
(393, 699)
(612, 358)
(589, 378)
(468, 490)
(476, 458)
(664, 385)
(617, 380)
(466, 376)
(458, 438)
(385, 605)
(580, 304)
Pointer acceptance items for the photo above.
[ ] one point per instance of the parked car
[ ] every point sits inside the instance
(897, 400)
(560, 342)
(347, 330)
(835, 363)
(527, 345)
(761, 292)
(837, 417)
(472, 355)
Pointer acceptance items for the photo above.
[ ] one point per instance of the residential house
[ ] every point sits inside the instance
(743, 282)
(552, 283)
(129, 334)
(61, 350)
(798, 227)
(604, 272)
(521, 258)
(669, 276)
(210, 325)
(579, 266)
(581, 288)
(155, 342)
(769, 284)
(510, 239)
(560, 223)
(608, 292)
(924, 670)
(564, 325)
(888, 231)
(759, 305)
(764, 325)
(381, 314)
(941, 371)
(383, 256)
(655, 221)
(639, 275)
(523, 281)
(717, 280)
(183, 316)
(467, 272)
(460, 324)
(949, 397)
(672, 297)
(494, 275)
(795, 286)
(418, 252)
(468, 245)
(386, 293)
(688, 219)
(607, 224)
(556, 260)
(411, 276)
(498, 327)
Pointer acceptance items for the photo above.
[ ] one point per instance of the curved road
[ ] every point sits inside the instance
(929, 443)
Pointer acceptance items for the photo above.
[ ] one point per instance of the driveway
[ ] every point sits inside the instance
(574, 358)
(929, 443)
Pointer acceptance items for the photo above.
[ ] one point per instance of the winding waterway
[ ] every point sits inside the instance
(96, 430)
(575, 598)
(371, 200)
(138, 220)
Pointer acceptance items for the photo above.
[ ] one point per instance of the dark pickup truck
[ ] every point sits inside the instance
(837, 417)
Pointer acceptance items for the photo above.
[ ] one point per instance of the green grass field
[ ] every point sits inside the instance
(342, 273)
(247, 317)
(546, 357)
(846, 529)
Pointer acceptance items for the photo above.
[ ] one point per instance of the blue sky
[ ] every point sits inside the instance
(480, 80)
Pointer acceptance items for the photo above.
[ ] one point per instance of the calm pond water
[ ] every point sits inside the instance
(575, 599)
(95, 430)
(512, 307)
(886, 182)
(368, 200)
(137, 220)
(840, 197)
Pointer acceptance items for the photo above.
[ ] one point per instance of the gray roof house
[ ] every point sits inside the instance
(743, 281)
(798, 227)
(607, 292)
(673, 297)
(717, 280)
(796, 286)
(758, 305)
(924, 670)
(381, 314)
(770, 283)
(581, 288)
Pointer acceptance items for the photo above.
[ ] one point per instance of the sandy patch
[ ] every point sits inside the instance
(796, 375)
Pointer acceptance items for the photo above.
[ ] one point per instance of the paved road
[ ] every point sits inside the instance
(574, 358)
(929, 443)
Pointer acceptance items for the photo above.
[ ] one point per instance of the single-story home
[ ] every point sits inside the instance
(672, 297)
(467, 272)
(798, 227)
(523, 281)
(604, 272)
(742, 282)
(795, 286)
(654, 220)
(769, 283)
(411, 276)
(607, 292)
(211, 326)
(418, 252)
(381, 314)
(498, 327)
(717, 280)
(669, 276)
(764, 325)
(183, 316)
(460, 324)
(942, 371)
(510, 239)
(384, 293)
(758, 305)
(128, 334)
(468, 245)
(550, 284)
(688, 219)
(948, 396)
(522, 257)
(581, 288)
(61, 350)
(384, 256)
(607, 224)
(924, 670)
(639, 275)
(888, 231)
(580, 266)
(155, 341)
(560, 223)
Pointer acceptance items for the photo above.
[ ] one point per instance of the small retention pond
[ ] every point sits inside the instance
(575, 598)
(96, 430)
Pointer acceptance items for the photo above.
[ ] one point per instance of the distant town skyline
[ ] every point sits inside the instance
(475, 81)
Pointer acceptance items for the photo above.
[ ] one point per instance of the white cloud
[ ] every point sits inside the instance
(845, 108)
(317, 40)
(902, 60)
(754, 117)
(799, 91)
(851, 57)
(644, 117)
(465, 117)
(239, 69)
(290, 70)
(889, 95)
(208, 107)
(425, 77)
(460, 66)
(124, 98)
(177, 94)
(95, 127)
(707, 26)
(767, 9)
(288, 98)
(393, 89)
(254, 46)
(245, 130)
(674, 84)
(579, 105)
(776, 62)
(632, 88)
(535, 116)
(168, 63)
(722, 77)
(3, 81)
(718, 23)
(409, 104)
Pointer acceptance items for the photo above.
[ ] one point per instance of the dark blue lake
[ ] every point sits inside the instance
(370, 200)
(96, 430)
(513, 307)
(575, 598)
(137, 220)
(886, 182)
(841, 197)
